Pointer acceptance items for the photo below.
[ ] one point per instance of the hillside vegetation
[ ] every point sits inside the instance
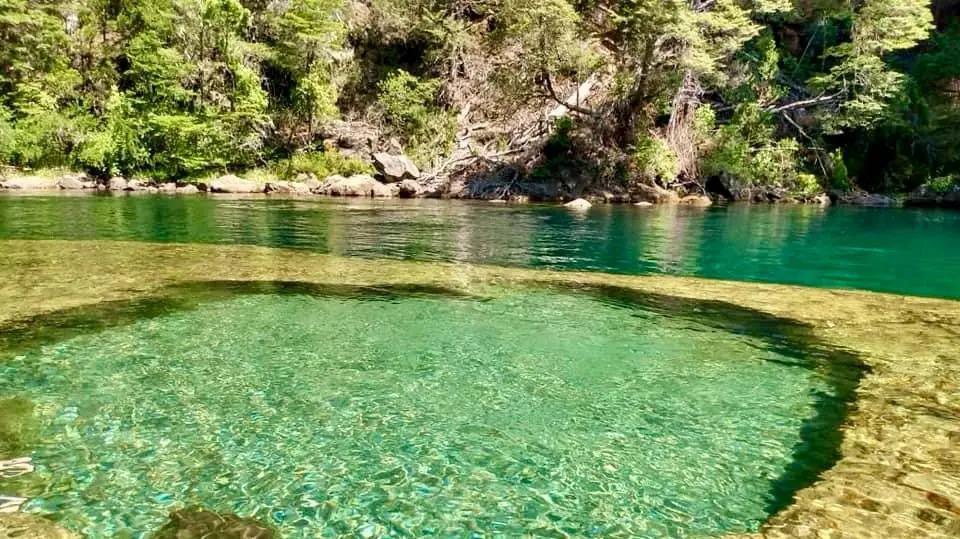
(743, 97)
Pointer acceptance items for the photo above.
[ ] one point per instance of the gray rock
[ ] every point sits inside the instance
(644, 204)
(862, 198)
(30, 183)
(117, 183)
(361, 185)
(301, 188)
(135, 185)
(188, 189)
(578, 205)
(233, 184)
(72, 181)
(278, 187)
(408, 189)
(168, 187)
(395, 168)
(821, 199)
(925, 195)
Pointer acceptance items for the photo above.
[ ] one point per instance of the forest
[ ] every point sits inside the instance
(790, 96)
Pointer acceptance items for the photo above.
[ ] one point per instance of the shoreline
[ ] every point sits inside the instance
(366, 186)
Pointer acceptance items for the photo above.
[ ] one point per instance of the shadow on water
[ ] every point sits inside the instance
(820, 441)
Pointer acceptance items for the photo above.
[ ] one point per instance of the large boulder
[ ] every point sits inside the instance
(117, 183)
(233, 184)
(408, 189)
(169, 187)
(30, 183)
(72, 181)
(579, 204)
(655, 194)
(188, 189)
(395, 168)
(361, 185)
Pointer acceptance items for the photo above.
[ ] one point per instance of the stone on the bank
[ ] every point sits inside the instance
(117, 183)
(701, 201)
(395, 168)
(578, 204)
(188, 189)
(862, 198)
(72, 181)
(360, 185)
(927, 195)
(168, 187)
(235, 185)
(644, 204)
(135, 185)
(30, 183)
(822, 199)
(655, 194)
(408, 189)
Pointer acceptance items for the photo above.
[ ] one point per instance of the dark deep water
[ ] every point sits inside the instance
(905, 251)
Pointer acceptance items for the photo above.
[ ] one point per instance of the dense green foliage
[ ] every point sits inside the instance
(767, 94)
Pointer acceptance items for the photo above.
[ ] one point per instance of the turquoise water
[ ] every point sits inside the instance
(338, 411)
(906, 251)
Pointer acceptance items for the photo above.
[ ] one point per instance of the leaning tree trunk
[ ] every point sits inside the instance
(681, 135)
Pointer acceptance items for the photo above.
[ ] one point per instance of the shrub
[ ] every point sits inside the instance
(323, 164)
(839, 176)
(654, 160)
(409, 105)
(943, 184)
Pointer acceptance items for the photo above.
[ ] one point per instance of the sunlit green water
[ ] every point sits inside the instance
(352, 412)
(913, 252)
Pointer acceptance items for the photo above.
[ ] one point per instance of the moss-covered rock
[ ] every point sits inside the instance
(198, 523)
(18, 428)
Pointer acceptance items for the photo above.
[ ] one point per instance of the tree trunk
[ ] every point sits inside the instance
(681, 134)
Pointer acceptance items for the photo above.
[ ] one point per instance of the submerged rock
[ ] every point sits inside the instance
(15, 467)
(32, 183)
(200, 524)
(233, 184)
(395, 168)
(579, 204)
(26, 526)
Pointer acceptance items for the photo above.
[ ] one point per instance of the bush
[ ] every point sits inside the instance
(943, 184)
(409, 105)
(839, 176)
(322, 164)
(653, 160)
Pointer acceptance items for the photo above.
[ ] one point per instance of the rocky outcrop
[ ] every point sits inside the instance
(395, 168)
(579, 204)
(27, 526)
(287, 188)
(361, 185)
(928, 196)
(234, 185)
(30, 183)
(201, 524)
(863, 198)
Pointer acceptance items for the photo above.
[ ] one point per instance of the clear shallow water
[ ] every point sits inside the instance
(912, 252)
(337, 411)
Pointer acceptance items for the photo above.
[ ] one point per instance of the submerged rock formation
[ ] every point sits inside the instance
(26, 526)
(201, 524)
